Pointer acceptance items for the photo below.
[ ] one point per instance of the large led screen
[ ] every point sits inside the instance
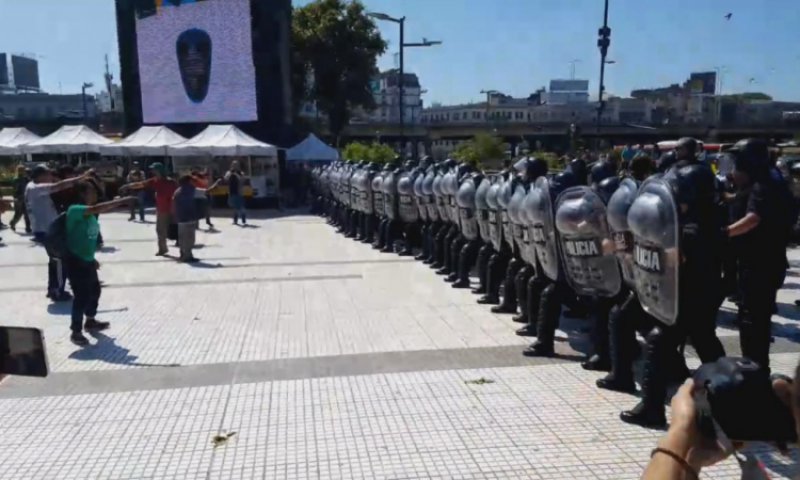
(195, 61)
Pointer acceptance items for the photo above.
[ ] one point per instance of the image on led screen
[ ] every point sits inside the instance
(195, 61)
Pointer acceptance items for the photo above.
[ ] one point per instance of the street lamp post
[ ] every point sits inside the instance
(603, 43)
(401, 77)
(83, 98)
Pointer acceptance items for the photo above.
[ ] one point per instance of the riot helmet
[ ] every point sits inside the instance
(686, 148)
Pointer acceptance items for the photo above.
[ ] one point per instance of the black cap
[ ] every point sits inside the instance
(751, 147)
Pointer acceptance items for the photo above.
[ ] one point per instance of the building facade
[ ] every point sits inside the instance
(42, 106)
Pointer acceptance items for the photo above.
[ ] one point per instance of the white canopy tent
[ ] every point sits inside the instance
(310, 150)
(12, 139)
(223, 141)
(145, 142)
(69, 139)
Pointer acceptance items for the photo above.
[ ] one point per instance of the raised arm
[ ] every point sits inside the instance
(107, 206)
(137, 185)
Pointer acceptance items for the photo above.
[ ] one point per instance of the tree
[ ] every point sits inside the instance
(374, 152)
(335, 47)
(482, 149)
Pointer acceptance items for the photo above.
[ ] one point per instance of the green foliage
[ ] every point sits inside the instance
(374, 152)
(483, 149)
(335, 51)
(553, 162)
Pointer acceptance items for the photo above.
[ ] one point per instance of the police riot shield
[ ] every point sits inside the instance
(419, 195)
(439, 196)
(407, 205)
(590, 265)
(503, 197)
(430, 199)
(377, 194)
(355, 196)
(467, 214)
(543, 230)
(450, 188)
(495, 223)
(528, 250)
(515, 217)
(482, 209)
(390, 195)
(618, 206)
(653, 220)
(366, 191)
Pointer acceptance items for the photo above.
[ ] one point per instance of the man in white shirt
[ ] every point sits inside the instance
(42, 212)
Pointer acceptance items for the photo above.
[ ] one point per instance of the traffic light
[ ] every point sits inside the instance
(604, 41)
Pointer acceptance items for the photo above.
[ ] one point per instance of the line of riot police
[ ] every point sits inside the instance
(643, 247)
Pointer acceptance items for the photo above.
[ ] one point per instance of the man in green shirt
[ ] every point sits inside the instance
(82, 230)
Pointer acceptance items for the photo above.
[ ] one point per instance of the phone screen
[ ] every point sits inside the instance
(22, 352)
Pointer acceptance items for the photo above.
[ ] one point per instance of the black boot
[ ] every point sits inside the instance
(649, 412)
(623, 347)
(549, 313)
(484, 254)
(600, 361)
(509, 304)
(521, 287)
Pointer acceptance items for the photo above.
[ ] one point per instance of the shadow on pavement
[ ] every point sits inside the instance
(106, 350)
(108, 249)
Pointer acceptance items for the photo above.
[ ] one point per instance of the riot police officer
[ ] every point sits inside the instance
(440, 192)
(501, 253)
(515, 263)
(677, 274)
(469, 225)
(434, 221)
(420, 201)
(368, 219)
(378, 206)
(529, 169)
(627, 316)
(760, 234)
(485, 252)
(408, 209)
(544, 236)
(391, 206)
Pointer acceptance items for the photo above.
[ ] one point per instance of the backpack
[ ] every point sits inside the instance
(55, 242)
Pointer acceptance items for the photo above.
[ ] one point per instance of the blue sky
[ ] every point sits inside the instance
(514, 46)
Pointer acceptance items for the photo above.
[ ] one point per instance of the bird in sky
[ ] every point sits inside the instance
(728, 16)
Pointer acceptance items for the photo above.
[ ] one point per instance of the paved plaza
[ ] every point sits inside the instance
(309, 355)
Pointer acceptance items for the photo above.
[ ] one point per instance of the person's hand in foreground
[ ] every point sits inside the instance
(683, 451)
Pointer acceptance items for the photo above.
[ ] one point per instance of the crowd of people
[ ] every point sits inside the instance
(61, 207)
(648, 245)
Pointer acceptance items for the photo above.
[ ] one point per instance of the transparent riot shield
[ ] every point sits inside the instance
(590, 265)
(653, 220)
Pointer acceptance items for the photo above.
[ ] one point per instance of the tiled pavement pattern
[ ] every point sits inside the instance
(328, 360)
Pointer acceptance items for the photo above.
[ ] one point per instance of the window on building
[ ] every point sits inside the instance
(456, 116)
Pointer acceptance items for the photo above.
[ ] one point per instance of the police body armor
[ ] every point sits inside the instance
(617, 211)
(495, 222)
(503, 198)
(587, 250)
(407, 204)
(390, 200)
(367, 201)
(377, 194)
(543, 230)
(467, 211)
(430, 198)
(654, 223)
(420, 198)
(515, 215)
(482, 209)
